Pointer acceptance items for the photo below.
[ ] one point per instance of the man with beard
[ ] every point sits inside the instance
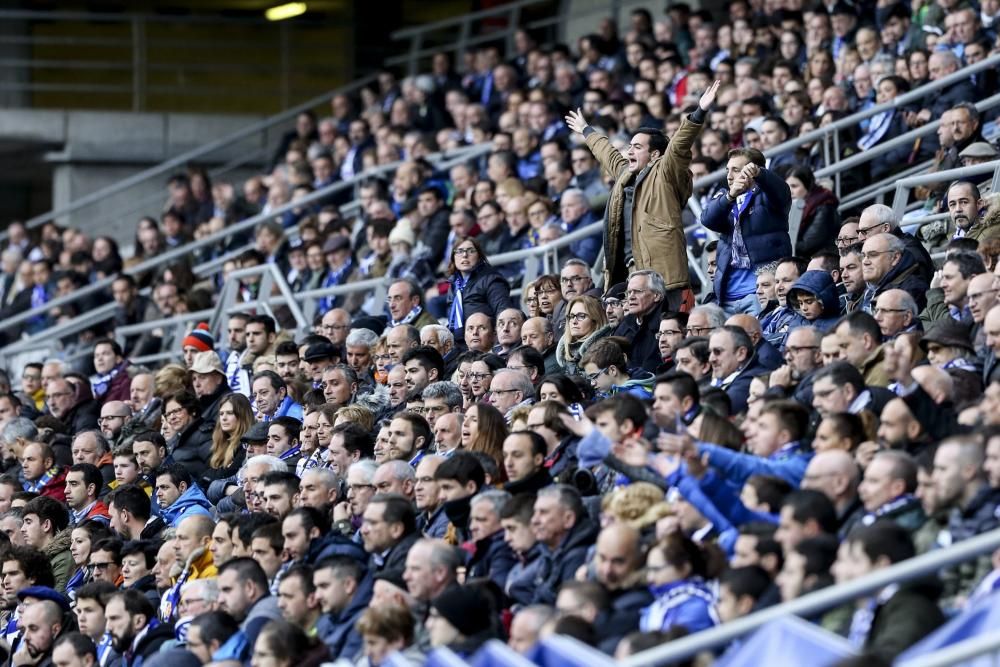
(236, 337)
(42, 623)
(133, 627)
(802, 357)
(968, 213)
(851, 277)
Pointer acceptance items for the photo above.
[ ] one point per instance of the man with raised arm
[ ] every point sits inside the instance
(652, 186)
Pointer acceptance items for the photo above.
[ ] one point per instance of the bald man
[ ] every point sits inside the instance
(617, 567)
(767, 355)
(835, 474)
(194, 534)
(42, 623)
(982, 297)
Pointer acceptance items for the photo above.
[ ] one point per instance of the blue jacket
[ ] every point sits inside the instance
(520, 586)
(776, 325)
(493, 558)
(688, 603)
(726, 498)
(789, 463)
(337, 630)
(560, 565)
(587, 248)
(288, 408)
(820, 285)
(763, 225)
(189, 503)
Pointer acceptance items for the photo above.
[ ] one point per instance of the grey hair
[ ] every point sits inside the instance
(326, 477)
(949, 56)
(896, 244)
(444, 334)
(567, 496)
(58, 363)
(209, 588)
(361, 338)
(495, 497)
(520, 381)
(714, 314)
(554, 225)
(446, 391)
(907, 302)
(655, 281)
(575, 261)
(400, 470)
(814, 333)
(272, 462)
(574, 192)
(18, 427)
(365, 467)
(103, 446)
(882, 214)
(442, 554)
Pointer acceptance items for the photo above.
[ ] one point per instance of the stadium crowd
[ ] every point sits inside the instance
(597, 453)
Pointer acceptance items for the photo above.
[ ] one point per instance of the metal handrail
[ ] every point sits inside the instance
(185, 250)
(819, 601)
(903, 185)
(956, 653)
(448, 161)
(820, 134)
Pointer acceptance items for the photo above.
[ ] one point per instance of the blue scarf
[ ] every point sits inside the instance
(877, 128)
(101, 383)
(870, 517)
(334, 278)
(456, 317)
(39, 484)
(410, 316)
(740, 255)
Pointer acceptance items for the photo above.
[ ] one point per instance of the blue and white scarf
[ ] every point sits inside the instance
(410, 316)
(456, 317)
(740, 254)
(39, 484)
(334, 278)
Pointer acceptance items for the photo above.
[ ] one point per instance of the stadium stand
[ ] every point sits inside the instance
(625, 349)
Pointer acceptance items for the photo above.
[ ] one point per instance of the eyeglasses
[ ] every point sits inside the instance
(523, 369)
(669, 332)
(697, 331)
(574, 279)
(34, 378)
(578, 317)
(465, 252)
(478, 376)
(592, 377)
(382, 357)
(634, 292)
(887, 311)
(503, 391)
(170, 414)
(550, 290)
(107, 418)
(866, 230)
(875, 254)
(100, 566)
(793, 349)
(356, 488)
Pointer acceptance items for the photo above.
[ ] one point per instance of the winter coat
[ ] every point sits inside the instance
(395, 560)
(82, 416)
(987, 227)
(337, 630)
(192, 447)
(820, 223)
(776, 325)
(147, 586)
(61, 560)
(209, 405)
(189, 503)
(334, 544)
(434, 525)
(645, 352)
(491, 557)
(149, 645)
(908, 616)
(623, 616)
(569, 354)
(763, 225)
(486, 291)
(640, 384)
(520, 586)
(662, 190)
(561, 564)
(963, 523)
(820, 285)
(738, 389)
(905, 275)
(262, 612)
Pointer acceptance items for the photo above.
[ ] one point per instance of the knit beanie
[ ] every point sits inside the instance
(200, 338)
(467, 609)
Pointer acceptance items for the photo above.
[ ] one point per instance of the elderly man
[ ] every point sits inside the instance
(982, 296)
(896, 313)
(537, 332)
(448, 433)
(406, 305)
(399, 340)
(802, 358)
(574, 280)
(209, 382)
(880, 219)
(886, 265)
(510, 389)
(359, 346)
(767, 355)
(645, 299)
(67, 406)
(651, 187)
(335, 325)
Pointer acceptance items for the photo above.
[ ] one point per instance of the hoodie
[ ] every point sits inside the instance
(819, 285)
(189, 503)
(640, 384)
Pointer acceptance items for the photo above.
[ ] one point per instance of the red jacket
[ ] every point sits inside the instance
(98, 510)
(56, 487)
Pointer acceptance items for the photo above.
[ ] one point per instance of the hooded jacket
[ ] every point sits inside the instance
(334, 544)
(819, 285)
(337, 630)
(561, 564)
(640, 384)
(987, 227)
(490, 557)
(57, 551)
(976, 518)
(189, 503)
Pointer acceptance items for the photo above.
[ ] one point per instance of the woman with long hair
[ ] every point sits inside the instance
(234, 420)
(486, 431)
(586, 323)
(81, 541)
(820, 218)
(476, 286)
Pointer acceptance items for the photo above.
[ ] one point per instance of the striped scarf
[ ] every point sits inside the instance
(456, 317)
(39, 484)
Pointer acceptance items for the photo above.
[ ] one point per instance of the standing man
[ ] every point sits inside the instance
(652, 186)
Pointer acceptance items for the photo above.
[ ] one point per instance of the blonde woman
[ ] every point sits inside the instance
(234, 420)
(586, 323)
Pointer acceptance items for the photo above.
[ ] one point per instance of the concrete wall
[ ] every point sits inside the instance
(76, 153)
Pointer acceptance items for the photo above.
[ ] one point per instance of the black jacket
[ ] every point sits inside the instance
(192, 447)
(149, 645)
(486, 291)
(561, 565)
(209, 405)
(904, 619)
(493, 558)
(623, 616)
(395, 560)
(645, 352)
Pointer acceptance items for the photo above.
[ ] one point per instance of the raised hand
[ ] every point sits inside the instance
(575, 121)
(708, 99)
